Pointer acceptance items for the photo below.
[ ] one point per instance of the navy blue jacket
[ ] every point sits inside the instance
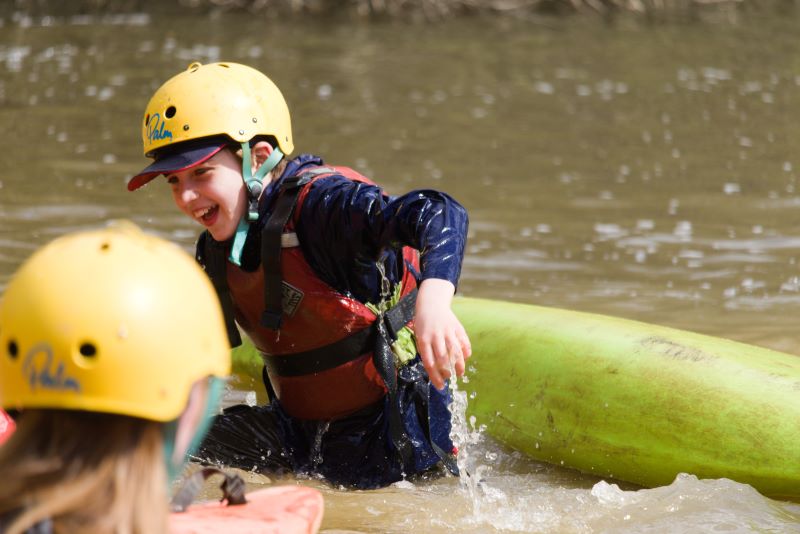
(345, 226)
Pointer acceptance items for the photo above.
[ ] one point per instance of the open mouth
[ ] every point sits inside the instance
(206, 215)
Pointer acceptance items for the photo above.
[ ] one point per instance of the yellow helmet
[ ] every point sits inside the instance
(111, 321)
(216, 99)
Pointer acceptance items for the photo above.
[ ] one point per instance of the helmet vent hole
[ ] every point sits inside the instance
(88, 350)
(147, 120)
(105, 246)
(170, 112)
(224, 65)
(13, 349)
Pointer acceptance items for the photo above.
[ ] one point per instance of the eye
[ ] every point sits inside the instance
(172, 180)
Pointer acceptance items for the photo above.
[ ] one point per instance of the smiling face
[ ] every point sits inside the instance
(212, 193)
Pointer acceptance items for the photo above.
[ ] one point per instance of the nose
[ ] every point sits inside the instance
(186, 194)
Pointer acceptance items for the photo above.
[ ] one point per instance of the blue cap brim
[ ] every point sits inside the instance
(175, 160)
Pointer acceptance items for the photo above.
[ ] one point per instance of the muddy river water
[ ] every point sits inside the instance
(647, 172)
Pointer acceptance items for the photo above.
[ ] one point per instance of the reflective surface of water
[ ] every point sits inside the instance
(643, 172)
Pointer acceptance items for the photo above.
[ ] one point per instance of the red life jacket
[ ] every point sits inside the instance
(305, 356)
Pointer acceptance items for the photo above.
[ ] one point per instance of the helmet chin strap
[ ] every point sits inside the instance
(175, 466)
(254, 185)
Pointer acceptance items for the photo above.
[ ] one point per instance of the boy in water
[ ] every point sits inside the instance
(344, 290)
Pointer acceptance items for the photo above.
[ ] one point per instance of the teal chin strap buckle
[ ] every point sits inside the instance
(254, 185)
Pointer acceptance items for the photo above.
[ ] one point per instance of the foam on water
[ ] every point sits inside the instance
(553, 502)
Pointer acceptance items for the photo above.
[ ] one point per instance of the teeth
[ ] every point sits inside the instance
(201, 212)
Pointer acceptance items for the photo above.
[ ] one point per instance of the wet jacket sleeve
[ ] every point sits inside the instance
(351, 224)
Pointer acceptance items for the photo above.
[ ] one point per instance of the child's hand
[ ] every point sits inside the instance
(441, 339)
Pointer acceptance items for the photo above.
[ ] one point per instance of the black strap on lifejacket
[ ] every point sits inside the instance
(271, 250)
(383, 358)
(215, 263)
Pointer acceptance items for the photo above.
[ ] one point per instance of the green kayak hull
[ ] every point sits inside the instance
(627, 400)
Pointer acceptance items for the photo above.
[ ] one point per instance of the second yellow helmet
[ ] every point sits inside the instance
(112, 321)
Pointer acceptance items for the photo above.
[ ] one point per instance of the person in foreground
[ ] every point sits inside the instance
(325, 273)
(113, 350)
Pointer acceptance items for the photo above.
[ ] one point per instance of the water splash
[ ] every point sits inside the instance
(472, 473)
(316, 450)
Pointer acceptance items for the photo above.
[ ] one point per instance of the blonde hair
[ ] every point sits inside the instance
(87, 472)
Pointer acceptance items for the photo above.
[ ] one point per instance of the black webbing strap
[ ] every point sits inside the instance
(383, 357)
(423, 403)
(346, 349)
(400, 314)
(449, 460)
(271, 251)
(233, 488)
(215, 263)
(271, 244)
